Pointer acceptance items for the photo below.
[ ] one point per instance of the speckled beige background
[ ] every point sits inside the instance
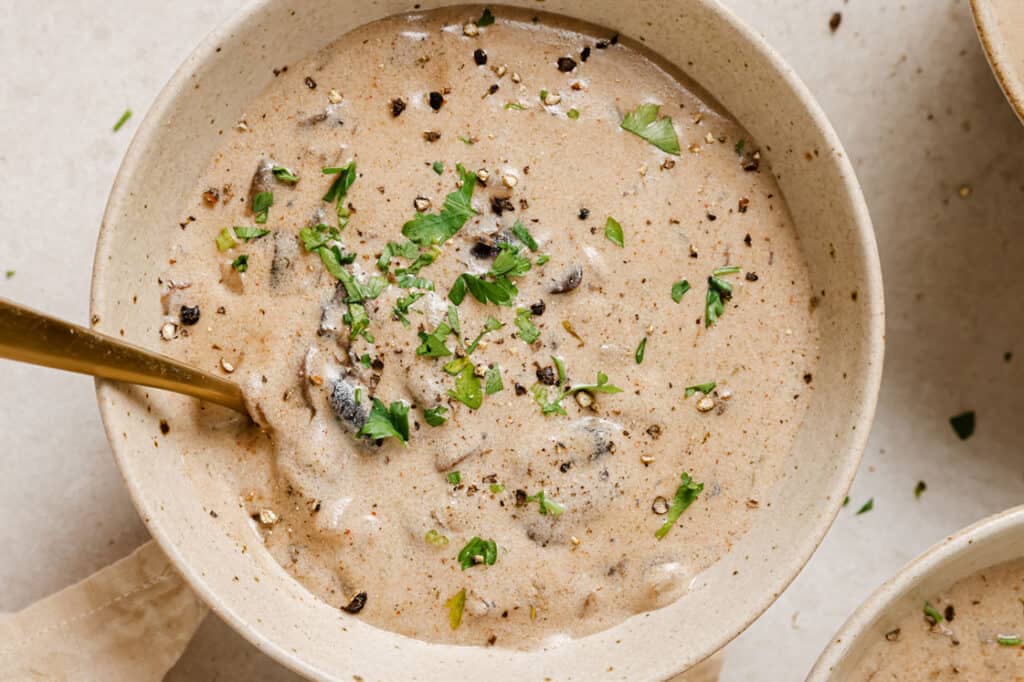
(908, 90)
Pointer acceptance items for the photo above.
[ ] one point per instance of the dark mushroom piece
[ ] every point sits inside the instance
(344, 405)
(569, 281)
(262, 179)
(357, 603)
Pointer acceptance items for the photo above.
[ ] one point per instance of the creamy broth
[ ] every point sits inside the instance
(377, 526)
(976, 636)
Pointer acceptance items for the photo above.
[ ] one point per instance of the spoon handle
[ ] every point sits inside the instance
(30, 336)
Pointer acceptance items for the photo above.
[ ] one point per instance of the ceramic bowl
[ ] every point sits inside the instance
(222, 558)
(987, 543)
(1000, 25)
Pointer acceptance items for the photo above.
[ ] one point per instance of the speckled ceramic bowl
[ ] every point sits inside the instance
(987, 543)
(222, 558)
(1000, 25)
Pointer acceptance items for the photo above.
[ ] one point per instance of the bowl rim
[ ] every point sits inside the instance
(870, 288)
(934, 559)
(992, 43)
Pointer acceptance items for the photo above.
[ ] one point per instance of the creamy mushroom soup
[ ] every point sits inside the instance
(521, 313)
(972, 631)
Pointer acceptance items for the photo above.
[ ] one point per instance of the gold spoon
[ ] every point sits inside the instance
(30, 336)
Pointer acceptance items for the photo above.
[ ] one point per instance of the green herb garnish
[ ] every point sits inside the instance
(454, 477)
(427, 229)
(547, 505)
(846, 501)
(727, 270)
(703, 388)
(385, 422)
(228, 237)
(644, 122)
(740, 144)
(261, 204)
(338, 190)
(433, 345)
(963, 424)
(486, 19)
(435, 416)
(867, 506)
(241, 264)
(497, 488)
(500, 291)
(438, 167)
(542, 259)
(247, 234)
(514, 105)
(468, 389)
(490, 325)
(435, 538)
(478, 551)
(543, 95)
(124, 119)
(686, 493)
(613, 231)
(492, 380)
(406, 250)
(523, 235)
(1008, 640)
(365, 360)
(679, 289)
(920, 488)
(8, 274)
(641, 347)
(528, 331)
(284, 175)
(573, 114)
(552, 403)
(402, 305)
(932, 614)
(456, 605)
(509, 263)
(719, 291)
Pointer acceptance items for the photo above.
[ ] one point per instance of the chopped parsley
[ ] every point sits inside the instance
(931, 613)
(339, 189)
(435, 538)
(613, 231)
(920, 488)
(573, 114)
(552, 403)
(867, 506)
(438, 167)
(428, 229)
(497, 488)
(261, 204)
(500, 291)
(478, 551)
(230, 236)
(509, 263)
(523, 235)
(241, 264)
(284, 175)
(456, 605)
(543, 95)
(490, 325)
(124, 119)
(963, 424)
(402, 305)
(468, 389)
(719, 291)
(542, 259)
(547, 505)
(387, 422)
(679, 289)
(644, 122)
(514, 105)
(740, 144)
(486, 19)
(640, 349)
(454, 477)
(435, 416)
(1008, 640)
(466, 140)
(8, 274)
(703, 388)
(433, 345)
(492, 380)
(528, 331)
(685, 495)
(406, 250)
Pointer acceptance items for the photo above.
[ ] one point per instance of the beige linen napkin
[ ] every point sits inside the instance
(130, 621)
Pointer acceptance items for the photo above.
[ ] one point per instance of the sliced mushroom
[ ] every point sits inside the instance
(343, 402)
(569, 281)
(282, 266)
(262, 179)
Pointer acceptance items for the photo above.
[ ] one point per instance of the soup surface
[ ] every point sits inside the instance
(523, 317)
(972, 631)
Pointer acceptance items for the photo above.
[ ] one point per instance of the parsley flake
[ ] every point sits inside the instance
(478, 551)
(963, 424)
(241, 264)
(387, 422)
(686, 494)
(1008, 640)
(124, 119)
(919, 489)
(547, 505)
(435, 416)
(261, 204)
(438, 167)
(492, 380)
(640, 349)
(703, 388)
(679, 289)
(486, 19)
(454, 477)
(931, 613)
(523, 235)
(284, 175)
(338, 190)
(613, 231)
(428, 229)
(468, 389)
(867, 506)
(456, 605)
(528, 331)
(644, 122)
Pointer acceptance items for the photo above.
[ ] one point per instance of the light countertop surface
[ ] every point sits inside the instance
(937, 150)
